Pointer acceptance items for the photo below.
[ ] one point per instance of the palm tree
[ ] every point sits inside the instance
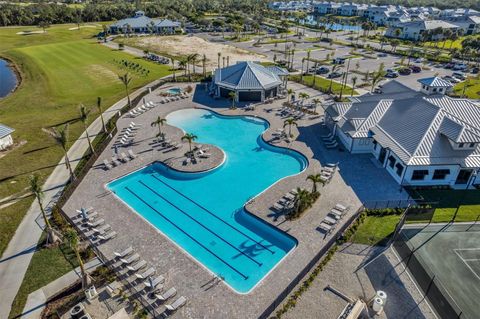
(334, 69)
(315, 179)
(204, 65)
(173, 69)
(354, 82)
(37, 191)
(314, 76)
(84, 119)
(61, 138)
(99, 109)
(126, 79)
(375, 79)
(194, 60)
(159, 122)
(73, 241)
(308, 60)
(219, 54)
(190, 138)
(301, 73)
(290, 92)
(290, 122)
(233, 96)
(303, 96)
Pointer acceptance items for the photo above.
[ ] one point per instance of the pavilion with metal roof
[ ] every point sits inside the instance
(250, 81)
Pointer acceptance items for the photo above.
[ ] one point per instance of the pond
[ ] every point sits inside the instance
(8, 78)
(314, 21)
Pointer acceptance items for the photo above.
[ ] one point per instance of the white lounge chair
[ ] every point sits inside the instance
(340, 207)
(130, 259)
(278, 207)
(124, 253)
(167, 295)
(147, 273)
(108, 236)
(177, 304)
(107, 164)
(137, 266)
(289, 196)
(102, 230)
(115, 161)
(132, 154)
(96, 223)
(325, 227)
(158, 280)
(330, 221)
(124, 157)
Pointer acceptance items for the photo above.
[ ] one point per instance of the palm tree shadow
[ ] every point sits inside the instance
(252, 250)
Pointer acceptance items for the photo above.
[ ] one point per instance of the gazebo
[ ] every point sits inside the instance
(250, 81)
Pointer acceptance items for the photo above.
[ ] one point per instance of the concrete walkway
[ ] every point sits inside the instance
(17, 256)
(37, 300)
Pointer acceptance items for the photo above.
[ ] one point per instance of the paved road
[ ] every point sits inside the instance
(17, 256)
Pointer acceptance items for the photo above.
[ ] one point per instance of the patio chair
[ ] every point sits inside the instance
(147, 273)
(141, 264)
(107, 164)
(337, 212)
(325, 227)
(294, 191)
(340, 207)
(130, 259)
(153, 283)
(167, 295)
(102, 230)
(108, 236)
(163, 101)
(187, 161)
(278, 207)
(330, 221)
(115, 161)
(124, 253)
(96, 223)
(124, 157)
(177, 304)
(289, 196)
(205, 155)
(328, 169)
(132, 154)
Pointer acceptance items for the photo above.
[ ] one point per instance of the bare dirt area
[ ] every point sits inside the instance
(185, 45)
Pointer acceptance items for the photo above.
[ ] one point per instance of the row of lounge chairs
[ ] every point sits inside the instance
(168, 143)
(142, 109)
(144, 281)
(129, 133)
(93, 226)
(329, 141)
(173, 98)
(117, 161)
(331, 220)
(327, 172)
(287, 111)
(286, 202)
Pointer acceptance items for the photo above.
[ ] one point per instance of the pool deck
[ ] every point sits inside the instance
(357, 180)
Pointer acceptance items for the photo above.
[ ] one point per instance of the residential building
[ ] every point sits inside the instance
(250, 81)
(422, 138)
(143, 24)
(468, 24)
(323, 8)
(6, 139)
(351, 9)
(290, 6)
(413, 30)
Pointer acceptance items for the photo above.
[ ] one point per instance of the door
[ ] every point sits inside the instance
(382, 155)
(463, 176)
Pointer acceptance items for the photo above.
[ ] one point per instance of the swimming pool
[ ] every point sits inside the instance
(174, 91)
(203, 213)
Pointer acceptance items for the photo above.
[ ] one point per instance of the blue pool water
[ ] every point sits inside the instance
(203, 212)
(314, 21)
(174, 91)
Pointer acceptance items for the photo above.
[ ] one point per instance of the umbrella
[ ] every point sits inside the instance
(84, 213)
(150, 281)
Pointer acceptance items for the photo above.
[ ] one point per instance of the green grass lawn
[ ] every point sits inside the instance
(60, 70)
(375, 230)
(60, 260)
(472, 90)
(448, 201)
(323, 84)
(457, 44)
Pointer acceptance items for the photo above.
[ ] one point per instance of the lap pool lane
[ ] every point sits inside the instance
(203, 212)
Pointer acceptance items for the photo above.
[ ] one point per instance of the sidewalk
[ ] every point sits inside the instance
(16, 258)
(36, 300)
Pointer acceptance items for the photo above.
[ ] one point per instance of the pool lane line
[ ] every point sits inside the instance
(199, 223)
(191, 237)
(208, 211)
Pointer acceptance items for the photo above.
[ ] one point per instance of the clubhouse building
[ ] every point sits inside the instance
(422, 138)
(250, 81)
(143, 24)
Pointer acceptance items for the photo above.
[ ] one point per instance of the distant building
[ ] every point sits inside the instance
(422, 138)
(468, 24)
(143, 24)
(6, 139)
(414, 30)
(250, 81)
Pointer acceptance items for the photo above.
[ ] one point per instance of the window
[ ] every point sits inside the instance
(391, 161)
(471, 145)
(419, 174)
(375, 145)
(434, 89)
(399, 169)
(461, 145)
(440, 173)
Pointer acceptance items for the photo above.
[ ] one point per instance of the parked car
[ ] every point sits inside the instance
(382, 55)
(405, 71)
(322, 70)
(449, 65)
(451, 79)
(334, 75)
(415, 68)
(474, 70)
(339, 61)
(390, 73)
(418, 60)
(460, 67)
(459, 75)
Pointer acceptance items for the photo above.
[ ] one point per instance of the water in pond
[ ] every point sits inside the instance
(8, 79)
(313, 20)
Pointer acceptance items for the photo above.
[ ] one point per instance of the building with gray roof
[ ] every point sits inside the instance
(250, 81)
(143, 24)
(421, 138)
(6, 139)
